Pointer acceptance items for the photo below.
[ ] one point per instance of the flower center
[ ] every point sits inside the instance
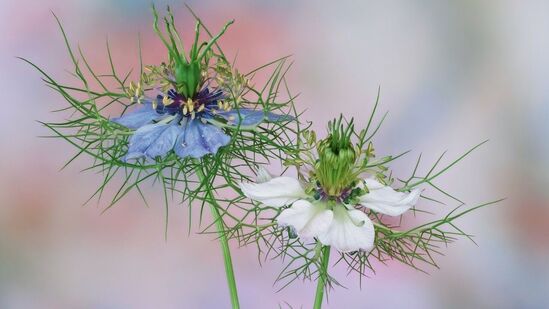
(205, 100)
(345, 195)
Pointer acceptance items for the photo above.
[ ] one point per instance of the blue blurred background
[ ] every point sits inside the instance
(452, 73)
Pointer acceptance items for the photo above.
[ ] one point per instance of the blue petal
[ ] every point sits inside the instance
(272, 117)
(251, 117)
(143, 138)
(165, 142)
(138, 118)
(200, 139)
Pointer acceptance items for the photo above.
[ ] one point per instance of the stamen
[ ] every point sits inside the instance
(200, 108)
(190, 105)
(132, 87)
(130, 91)
(166, 101)
(370, 151)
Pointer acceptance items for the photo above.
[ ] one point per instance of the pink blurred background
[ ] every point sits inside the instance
(452, 74)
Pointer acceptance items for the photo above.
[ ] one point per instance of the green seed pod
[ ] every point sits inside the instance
(337, 158)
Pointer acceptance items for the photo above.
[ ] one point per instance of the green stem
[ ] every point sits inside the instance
(323, 278)
(229, 272)
(226, 257)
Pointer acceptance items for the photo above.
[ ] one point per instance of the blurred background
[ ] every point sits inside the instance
(452, 74)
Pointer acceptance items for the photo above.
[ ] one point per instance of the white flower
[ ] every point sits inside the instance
(338, 226)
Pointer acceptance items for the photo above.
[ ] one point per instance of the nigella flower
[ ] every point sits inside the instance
(334, 223)
(191, 127)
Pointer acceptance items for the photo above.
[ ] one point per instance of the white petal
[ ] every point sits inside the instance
(276, 192)
(373, 184)
(351, 230)
(309, 220)
(262, 175)
(386, 200)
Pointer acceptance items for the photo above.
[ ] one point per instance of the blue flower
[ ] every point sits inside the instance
(189, 127)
